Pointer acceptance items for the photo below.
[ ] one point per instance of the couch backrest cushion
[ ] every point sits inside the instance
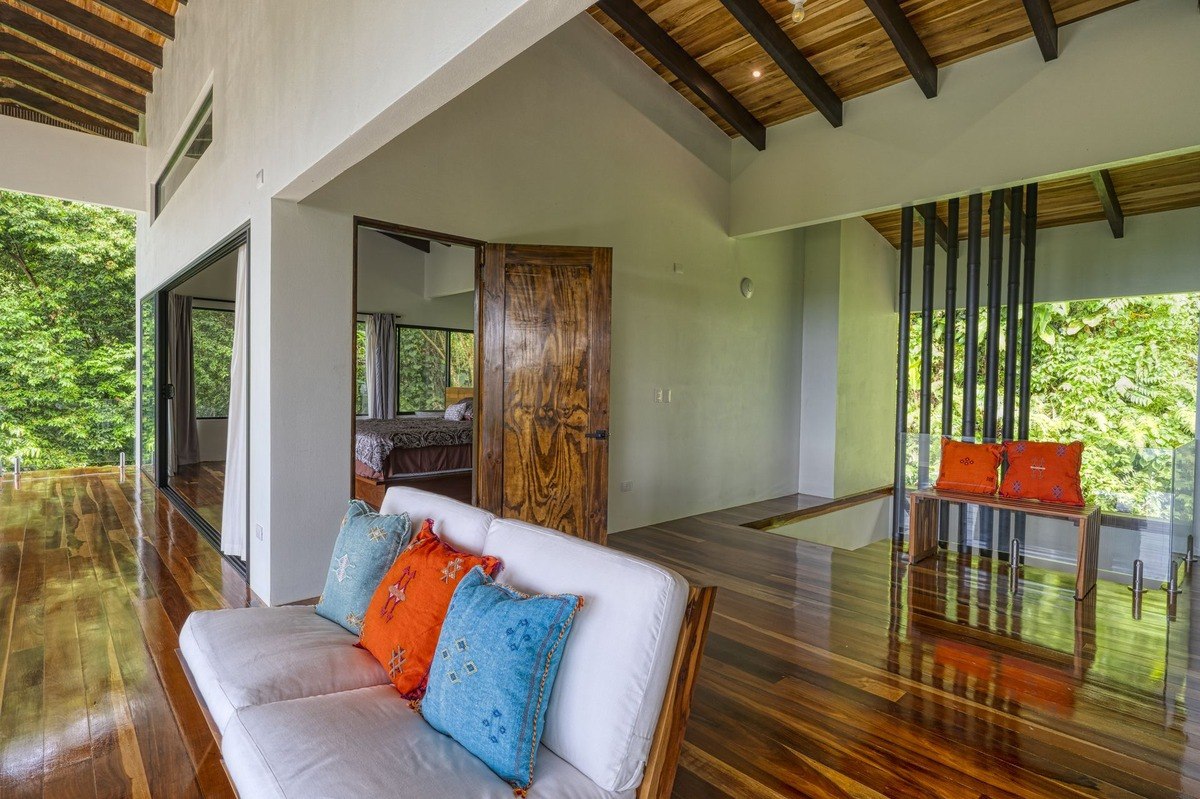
(457, 523)
(614, 672)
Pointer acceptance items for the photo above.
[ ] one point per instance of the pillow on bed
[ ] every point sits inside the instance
(460, 411)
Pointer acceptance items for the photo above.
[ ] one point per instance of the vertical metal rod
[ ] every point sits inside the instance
(904, 306)
(1138, 584)
(971, 331)
(121, 461)
(991, 366)
(929, 212)
(1011, 322)
(1030, 235)
(1014, 563)
(17, 467)
(1172, 587)
(948, 339)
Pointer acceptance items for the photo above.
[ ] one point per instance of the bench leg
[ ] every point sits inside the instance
(1089, 556)
(922, 529)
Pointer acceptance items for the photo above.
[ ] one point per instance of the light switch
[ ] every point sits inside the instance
(677, 268)
(658, 395)
(626, 486)
(258, 532)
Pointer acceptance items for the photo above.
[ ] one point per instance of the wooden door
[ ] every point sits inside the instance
(544, 319)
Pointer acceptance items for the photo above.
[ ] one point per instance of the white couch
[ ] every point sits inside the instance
(304, 714)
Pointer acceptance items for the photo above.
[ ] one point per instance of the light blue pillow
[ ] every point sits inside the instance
(493, 671)
(365, 549)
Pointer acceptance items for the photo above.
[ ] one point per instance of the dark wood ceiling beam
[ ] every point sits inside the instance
(1045, 28)
(30, 78)
(143, 13)
(907, 44)
(415, 243)
(1103, 182)
(86, 22)
(35, 101)
(69, 72)
(759, 23)
(32, 28)
(941, 231)
(646, 32)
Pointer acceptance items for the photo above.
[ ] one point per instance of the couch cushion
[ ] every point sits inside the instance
(461, 525)
(369, 743)
(251, 656)
(617, 661)
(366, 545)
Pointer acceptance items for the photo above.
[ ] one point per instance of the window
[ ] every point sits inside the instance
(195, 143)
(212, 353)
(360, 368)
(428, 360)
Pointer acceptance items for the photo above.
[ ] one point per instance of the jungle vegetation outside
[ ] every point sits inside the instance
(67, 332)
(1118, 374)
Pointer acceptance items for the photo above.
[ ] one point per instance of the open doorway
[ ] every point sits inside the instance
(195, 373)
(415, 361)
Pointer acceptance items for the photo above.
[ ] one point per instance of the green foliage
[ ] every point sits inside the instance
(67, 381)
(212, 355)
(1117, 374)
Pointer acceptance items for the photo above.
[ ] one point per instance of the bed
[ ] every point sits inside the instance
(409, 449)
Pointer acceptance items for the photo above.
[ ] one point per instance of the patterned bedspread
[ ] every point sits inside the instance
(375, 439)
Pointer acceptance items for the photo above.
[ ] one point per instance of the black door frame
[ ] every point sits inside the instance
(161, 471)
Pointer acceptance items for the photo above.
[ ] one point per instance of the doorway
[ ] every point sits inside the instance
(537, 402)
(195, 391)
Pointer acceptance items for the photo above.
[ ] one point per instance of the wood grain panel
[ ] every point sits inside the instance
(1147, 187)
(840, 38)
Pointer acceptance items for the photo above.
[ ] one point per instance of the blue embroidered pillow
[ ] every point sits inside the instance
(494, 668)
(365, 548)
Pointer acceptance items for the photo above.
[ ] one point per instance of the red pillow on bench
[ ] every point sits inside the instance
(968, 468)
(1045, 471)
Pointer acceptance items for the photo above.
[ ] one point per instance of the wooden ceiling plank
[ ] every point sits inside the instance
(143, 13)
(1103, 182)
(646, 32)
(1045, 29)
(916, 57)
(86, 22)
(53, 39)
(759, 23)
(53, 108)
(41, 82)
(20, 50)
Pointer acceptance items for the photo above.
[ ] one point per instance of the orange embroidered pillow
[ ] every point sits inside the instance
(969, 468)
(404, 617)
(1044, 471)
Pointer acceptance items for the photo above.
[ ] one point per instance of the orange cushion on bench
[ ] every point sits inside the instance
(969, 468)
(1044, 471)
(405, 616)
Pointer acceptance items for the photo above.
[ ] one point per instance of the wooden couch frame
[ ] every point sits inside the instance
(658, 780)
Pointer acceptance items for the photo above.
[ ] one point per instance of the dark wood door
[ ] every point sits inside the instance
(544, 319)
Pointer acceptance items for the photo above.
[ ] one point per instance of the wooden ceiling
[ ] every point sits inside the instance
(82, 64)
(1146, 187)
(854, 47)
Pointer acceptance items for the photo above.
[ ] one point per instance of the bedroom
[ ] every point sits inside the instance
(414, 362)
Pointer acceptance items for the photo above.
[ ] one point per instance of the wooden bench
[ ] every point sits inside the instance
(925, 509)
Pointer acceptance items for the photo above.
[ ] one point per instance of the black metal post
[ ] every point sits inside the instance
(971, 344)
(1030, 232)
(991, 366)
(1012, 310)
(904, 306)
(929, 212)
(948, 342)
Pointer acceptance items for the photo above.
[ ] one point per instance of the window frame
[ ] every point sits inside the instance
(447, 331)
(202, 115)
(364, 320)
(206, 307)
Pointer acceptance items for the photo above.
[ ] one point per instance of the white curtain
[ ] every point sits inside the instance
(234, 508)
(381, 366)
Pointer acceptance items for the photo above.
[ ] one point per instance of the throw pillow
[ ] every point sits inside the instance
(1044, 471)
(458, 411)
(493, 672)
(405, 616)
(967, 467)
(365, 547)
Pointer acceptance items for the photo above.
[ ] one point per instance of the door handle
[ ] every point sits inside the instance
(599, 435)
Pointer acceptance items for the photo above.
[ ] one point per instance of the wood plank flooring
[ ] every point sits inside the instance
(202, 485)
(828, 673)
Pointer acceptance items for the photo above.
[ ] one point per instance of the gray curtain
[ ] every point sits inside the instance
(185, 433)
(381, 374)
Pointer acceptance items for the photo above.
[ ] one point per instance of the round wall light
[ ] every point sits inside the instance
(747, 287)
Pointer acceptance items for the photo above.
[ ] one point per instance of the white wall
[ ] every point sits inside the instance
(568, 158)
(392, 278)
(1124, 87)
(449, 270)
(55, 162)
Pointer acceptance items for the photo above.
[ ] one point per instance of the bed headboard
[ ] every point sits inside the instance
(458, 394)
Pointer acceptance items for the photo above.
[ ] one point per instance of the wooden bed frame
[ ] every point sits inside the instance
(663, 760)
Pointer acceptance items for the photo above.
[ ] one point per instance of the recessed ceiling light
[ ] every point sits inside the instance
(757, 73)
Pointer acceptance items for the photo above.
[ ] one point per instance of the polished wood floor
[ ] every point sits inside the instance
(202, 485)
(827, 673)
(97, 574)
